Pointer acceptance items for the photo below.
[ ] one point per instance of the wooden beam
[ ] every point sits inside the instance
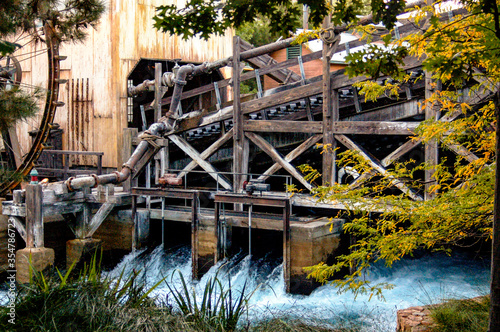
(191, 152)
(287, 239)
(291, 156)
(278, 126)
(430, 147)
(393, 156)
(208, 152)
(264, 61)
(18, 224)
(374, 127)
(240, 145)
(330, 113)
(275, 155)
(400, 111)
(34, 216)
(98, 218)
(400, 151)
(377, 166)
(282, 97)
(462, 151)
(128, 135)
(195, 223)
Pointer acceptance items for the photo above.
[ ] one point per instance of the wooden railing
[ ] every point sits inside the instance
(61, 167)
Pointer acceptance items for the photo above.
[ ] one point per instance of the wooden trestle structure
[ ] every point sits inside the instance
(324, 109)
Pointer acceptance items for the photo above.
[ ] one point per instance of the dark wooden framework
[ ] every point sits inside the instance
(191, 195)
(261, 201)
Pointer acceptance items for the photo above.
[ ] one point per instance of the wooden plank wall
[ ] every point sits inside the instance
(103, 62)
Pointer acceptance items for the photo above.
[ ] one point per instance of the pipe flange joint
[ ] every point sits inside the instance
(179, 82)
(96, 180)
(132, 170)
(68, 184)
(118, 175)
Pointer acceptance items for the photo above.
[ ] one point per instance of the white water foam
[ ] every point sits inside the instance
(421, 281)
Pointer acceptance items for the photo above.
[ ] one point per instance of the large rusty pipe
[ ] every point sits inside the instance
(156, 129)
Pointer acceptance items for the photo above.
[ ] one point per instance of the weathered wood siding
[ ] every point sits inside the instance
(96, 94)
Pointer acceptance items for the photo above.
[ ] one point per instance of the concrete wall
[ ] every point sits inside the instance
(311, 244)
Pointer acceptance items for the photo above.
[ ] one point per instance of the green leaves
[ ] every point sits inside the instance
(386, 11)
(375, 61)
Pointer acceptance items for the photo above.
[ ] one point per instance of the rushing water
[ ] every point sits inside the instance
(417, 282)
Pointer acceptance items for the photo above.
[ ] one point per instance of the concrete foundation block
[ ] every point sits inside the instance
(80, 250)
(38, 259)
(311, 243)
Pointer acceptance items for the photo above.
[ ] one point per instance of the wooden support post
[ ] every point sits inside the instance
(134, 216)
(34, 216)
(219, 233)
(330, 114)
(240, 162)
(158, 94)
(128, 135)
(286, 245)
(431, 147)
(195, 224)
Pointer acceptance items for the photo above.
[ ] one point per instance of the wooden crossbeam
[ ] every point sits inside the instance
(275, 155)
(377, 166)
(462, 151)
(98, 218)
(19, 227)
(278, 126)
(207, 153)
(195, 155)
(374, 127)
(393, 156)
(264, 61)
(291, 156)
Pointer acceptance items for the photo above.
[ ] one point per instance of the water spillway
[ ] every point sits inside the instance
(420, 281)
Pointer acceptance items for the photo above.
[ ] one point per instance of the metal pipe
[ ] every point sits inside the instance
(156, 129)
(144, 86)
(250, 208)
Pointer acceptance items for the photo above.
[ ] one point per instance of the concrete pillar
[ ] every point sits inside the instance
(38, 259)
(207, 247)
(81, 250)
(311, 243)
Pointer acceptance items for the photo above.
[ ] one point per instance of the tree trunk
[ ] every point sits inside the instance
(494, 325)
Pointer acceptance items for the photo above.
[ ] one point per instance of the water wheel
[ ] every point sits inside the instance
(22, 160)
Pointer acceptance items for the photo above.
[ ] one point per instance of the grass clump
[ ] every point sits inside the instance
(297, 325)
(218, 308)
(86, 301)
(469, 315)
